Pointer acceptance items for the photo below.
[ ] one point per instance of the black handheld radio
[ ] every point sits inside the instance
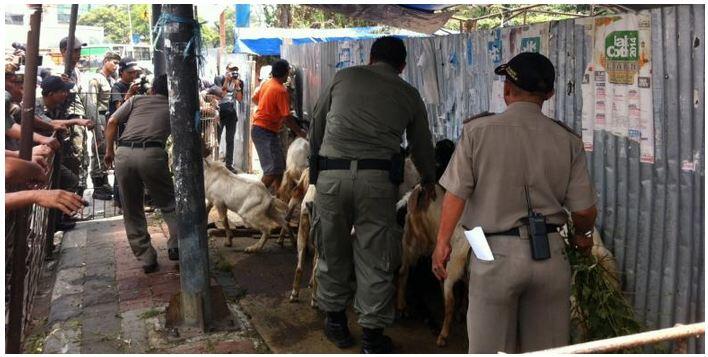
(540, 250)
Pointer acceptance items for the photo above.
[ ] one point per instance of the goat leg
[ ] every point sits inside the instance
(225, 218)
(258, 245)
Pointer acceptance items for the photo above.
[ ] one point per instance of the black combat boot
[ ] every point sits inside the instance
(101, 189)
(374, 341)
(336, 329)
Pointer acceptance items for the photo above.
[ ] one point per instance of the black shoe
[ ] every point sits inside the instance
(336, 329)
(173, 253)
(65, 225)
(374, 341)
(102, 193)
(150, 268)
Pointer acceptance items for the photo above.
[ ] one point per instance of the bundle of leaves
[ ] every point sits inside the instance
(599, 309)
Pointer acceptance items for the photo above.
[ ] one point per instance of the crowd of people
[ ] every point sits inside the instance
(506, 176)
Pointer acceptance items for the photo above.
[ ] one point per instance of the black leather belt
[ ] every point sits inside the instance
(550, 228)
(143, 144)
(102, 112)
(364, 164)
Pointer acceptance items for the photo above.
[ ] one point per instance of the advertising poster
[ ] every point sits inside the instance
(616, 86)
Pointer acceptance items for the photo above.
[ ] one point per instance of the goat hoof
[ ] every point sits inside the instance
(228, 243)
(313, 303)
(251, 249)
(293, 297)
(442, 341)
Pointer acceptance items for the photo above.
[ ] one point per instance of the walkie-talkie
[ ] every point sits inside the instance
(540, 250)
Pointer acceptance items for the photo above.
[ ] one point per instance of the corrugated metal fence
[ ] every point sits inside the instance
(651, 215)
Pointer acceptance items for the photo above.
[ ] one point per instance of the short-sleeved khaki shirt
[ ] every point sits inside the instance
(146, 118)
(497, 155)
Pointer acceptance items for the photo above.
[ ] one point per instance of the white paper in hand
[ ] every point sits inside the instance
(479, 244)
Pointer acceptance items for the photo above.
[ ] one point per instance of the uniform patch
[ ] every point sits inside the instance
(480, 115)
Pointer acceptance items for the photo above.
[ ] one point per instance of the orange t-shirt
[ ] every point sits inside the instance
(273, 105)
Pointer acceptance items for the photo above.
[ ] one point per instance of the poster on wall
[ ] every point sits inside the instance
(505, 44)
(617, 95)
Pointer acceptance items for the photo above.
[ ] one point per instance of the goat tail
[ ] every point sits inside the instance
(416, 219)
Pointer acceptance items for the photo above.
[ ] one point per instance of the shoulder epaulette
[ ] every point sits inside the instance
(480, 115)
(567, 128)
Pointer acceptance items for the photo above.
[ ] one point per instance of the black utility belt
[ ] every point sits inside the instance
(141, 144)
(363, 164)
(550, 228)
(102, 112)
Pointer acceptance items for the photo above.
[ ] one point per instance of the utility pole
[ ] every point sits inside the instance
(68, 59)
(158, 51)
(195, 302)
(19, 255)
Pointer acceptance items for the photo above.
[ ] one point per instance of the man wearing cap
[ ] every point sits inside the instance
(122, 90)
(273, 111)
(141, 162)
(519, 301)
(78, 159)
(355, 135)
(232, 89)
(97, 99)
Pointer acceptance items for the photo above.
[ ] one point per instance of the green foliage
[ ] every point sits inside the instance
(474, 11)
(601, 310)
(116, 24)
(309, 17)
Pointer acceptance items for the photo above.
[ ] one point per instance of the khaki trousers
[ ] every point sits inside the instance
(360, 266)
(135, 170)
(517, 304)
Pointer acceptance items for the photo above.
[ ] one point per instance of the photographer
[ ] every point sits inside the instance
(232, 89)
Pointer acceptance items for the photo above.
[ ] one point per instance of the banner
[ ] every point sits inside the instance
(616, 86)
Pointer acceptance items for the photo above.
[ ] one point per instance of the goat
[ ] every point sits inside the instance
(295, 163)
(246, 197)
(419, 238)
(306, 193)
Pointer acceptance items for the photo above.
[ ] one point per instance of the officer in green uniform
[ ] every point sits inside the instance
(98, 95)
(357, 128)
(520, 300)
(74, 108)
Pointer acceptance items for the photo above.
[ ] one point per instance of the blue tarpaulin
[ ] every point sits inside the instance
(243, 15)
(267, 41)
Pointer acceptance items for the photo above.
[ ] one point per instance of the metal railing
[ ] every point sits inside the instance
(678, 333)
(34, 228)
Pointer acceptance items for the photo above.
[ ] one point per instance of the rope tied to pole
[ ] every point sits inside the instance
(194, 46)
(193, 50)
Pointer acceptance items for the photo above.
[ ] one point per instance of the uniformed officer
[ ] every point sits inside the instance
(73, 108)
(518, 303)
(98, 95)
(141, 162)
(356, 131)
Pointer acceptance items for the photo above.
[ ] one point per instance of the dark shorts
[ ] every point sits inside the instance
(270, 150)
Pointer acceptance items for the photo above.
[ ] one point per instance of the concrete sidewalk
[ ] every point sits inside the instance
(102, 302)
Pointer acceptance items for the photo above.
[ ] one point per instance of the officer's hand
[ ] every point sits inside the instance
(41, 150)
(440, 257)
(67, 202)
(58, 126)
(132, 90)
(89, 124)
(108, 159)
(41, 161)
(53, 143)
(66, 78)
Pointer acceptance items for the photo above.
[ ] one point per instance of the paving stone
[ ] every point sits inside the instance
(74, 239)
(105, 327)
(69, 281)
(99, 296)
(63, 338)
(101, 310)
(65, 307)
(72, 258)
(134, 330)
(102, 345)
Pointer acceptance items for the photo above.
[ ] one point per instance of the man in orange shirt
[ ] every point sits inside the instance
(273, 111)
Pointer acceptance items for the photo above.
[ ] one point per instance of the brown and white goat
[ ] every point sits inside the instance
(305, 194)
(295, 163)
(419, 238)
(245, 196)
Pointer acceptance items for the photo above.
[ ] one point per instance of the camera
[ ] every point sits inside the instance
(144, 84)
(234, 74)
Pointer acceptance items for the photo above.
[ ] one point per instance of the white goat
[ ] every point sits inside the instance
(246, 197)
(295, 163)
(305, 192)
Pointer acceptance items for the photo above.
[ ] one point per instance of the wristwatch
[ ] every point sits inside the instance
(588, 234)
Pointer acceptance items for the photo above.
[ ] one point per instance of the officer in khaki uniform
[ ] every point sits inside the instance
(141, 162)
(357, 128)
(98, 94)
(517, 303)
